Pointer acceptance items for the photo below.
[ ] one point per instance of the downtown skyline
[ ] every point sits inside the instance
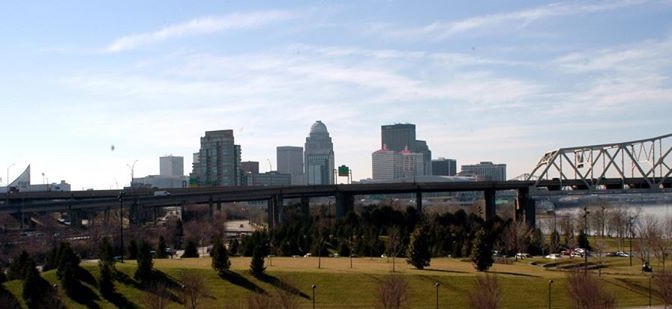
(500, 82)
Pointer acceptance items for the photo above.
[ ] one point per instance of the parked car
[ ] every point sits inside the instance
(553, 256)
(522, 256)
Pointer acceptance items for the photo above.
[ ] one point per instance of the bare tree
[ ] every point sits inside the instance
(391, 292)
(486, 293)
(649, 232)
(194, 288)
(664, 283)
(156, 297)
(587, 291)
(516, 236)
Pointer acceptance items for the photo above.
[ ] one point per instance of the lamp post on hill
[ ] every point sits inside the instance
(121, 224)
(10, 166)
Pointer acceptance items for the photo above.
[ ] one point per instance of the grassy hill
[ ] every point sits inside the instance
(340, 286)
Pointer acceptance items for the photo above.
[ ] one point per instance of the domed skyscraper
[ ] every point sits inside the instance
(319, 156)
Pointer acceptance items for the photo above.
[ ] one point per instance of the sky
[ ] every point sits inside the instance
(90, 88)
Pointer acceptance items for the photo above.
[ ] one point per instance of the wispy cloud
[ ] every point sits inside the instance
(441, 30)
(200, 26)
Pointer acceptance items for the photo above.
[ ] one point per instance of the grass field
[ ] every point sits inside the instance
(339, 286)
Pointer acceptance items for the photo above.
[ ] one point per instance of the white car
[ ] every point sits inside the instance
(522, 255)
(553, 256)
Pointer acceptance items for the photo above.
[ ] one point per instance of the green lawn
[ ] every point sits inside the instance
(339, 286)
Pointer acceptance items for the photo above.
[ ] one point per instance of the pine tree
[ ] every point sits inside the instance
(106, 252)
(257, 264)
(481, 251)
(132, 250)
(35, 288)
(106, 284)
(68, 264)
(234, 245)
(161, 249)
(191, 250)
(51, 261)
(145, 263)
(220, 258)
(419, 253)
(17, 268)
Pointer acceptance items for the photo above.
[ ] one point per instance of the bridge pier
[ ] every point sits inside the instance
(490, 207)
(525, 207)
(345, 203)
(418, 201)
(274, 210)
(305, 206)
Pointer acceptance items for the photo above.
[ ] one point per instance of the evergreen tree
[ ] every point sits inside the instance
(582, 240)
(17, 268)
(132, 250)
(481, 251)
(68, 264)
(106, 284)
(106, 252)
(191, 250)
(220, 258)
(419, 253)
(234, 246)
(145, 263)
(51, 261)
(161, 248)
(35, 288)
(257, 264)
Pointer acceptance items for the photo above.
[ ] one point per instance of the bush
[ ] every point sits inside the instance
(486, 293)
(586, 291)
(391, 292)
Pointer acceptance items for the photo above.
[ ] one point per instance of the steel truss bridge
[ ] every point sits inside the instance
(627, 167)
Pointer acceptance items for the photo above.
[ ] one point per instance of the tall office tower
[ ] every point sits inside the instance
(290, 161)
(171, 166)
(387, 164)
(400, 137)
(319, 156)
(397, 137)
(218, 161)
(444, 167)
(485, 171)
(412, 163)
(249, 167)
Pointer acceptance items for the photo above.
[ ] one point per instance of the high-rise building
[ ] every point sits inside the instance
(249, 167)
(290, 161)
(412, 163)
(486, 171)
(171, 166)
(319, 156)
(387, 164)
(401, 137)
(444, 167)
(218, 161)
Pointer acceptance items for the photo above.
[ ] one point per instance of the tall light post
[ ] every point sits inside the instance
(10, 166)
(650, 290)
(121, 223)
(585, 231)
(314, 287)
(630, 220)
(437, 284)
(132, 168)
(550, 282)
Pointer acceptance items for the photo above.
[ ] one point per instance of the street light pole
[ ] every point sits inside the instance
(650, 290)
(314, 287)
(8, 174)
(630, 230)
(132, 168)
(550, 282)
(585, 231)
(121, 223)
(437, 284)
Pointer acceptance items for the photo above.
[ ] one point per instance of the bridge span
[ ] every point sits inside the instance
(626, 167)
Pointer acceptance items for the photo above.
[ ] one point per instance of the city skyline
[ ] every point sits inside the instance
(88, 89)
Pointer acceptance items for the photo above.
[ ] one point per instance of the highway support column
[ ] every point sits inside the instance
(418, 201)
(345, 203)
(526, 209)
(274, 210)
(490, 207)
(305, 206)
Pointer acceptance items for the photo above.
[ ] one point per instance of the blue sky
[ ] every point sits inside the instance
(501, 81)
